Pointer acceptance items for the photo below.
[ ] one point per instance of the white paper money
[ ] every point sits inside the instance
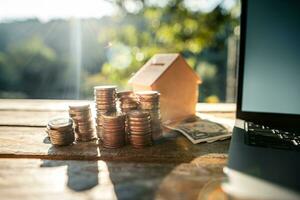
(201, 130)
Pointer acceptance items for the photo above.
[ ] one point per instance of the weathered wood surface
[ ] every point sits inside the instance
(172, 169)
(33, 142)
(28, 118)
(41, 118)
(50, 105)
(49, 179)
(14, 112)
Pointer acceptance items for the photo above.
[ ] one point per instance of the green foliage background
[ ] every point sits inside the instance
(37, 59)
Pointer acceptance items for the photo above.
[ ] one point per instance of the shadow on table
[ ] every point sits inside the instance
(82, 175)
(166, 174)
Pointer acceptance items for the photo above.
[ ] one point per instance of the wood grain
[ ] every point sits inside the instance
(49, 179)
(28, 118)
(32, 142)
(15, 112)
(172, 169)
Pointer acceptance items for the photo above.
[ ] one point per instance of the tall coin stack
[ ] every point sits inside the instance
(149, 101)
(60, 130)
(139, 126)
(113, 135)
(83, 123)
(105, 100)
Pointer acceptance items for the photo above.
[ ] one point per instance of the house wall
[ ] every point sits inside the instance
(136, 87)
(179, 92)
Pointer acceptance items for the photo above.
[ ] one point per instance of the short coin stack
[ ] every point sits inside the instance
(127, 101)
(139, 126)
(60, 130)
(83, 123)
(105, 100)
(113, 135)
(149, 101)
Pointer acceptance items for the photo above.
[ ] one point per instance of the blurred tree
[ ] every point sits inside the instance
(36, 59)
(143, 29)
(31, 69)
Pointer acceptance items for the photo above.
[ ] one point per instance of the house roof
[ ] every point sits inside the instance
(156, 67)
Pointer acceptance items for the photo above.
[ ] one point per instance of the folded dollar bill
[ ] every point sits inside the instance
(199, 130)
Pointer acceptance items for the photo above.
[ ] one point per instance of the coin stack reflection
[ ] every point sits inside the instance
(60, 130)
(105, 100)
(83, 123)
(149, 101)
(113, 135)
(139, 126)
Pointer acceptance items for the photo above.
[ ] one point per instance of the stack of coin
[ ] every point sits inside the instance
(60, 131)
(83, 123)
(105, 100)
(149, 101)
(113, 135)
(127, 101)
(139, 126)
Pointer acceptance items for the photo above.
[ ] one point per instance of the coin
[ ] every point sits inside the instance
(148, 96)
(105, 102)
(105, 87)
(60, 131)
(113, 134)
(79, 107)
(124, 94)
(149, 102)
(127, 101)
(139, 128)
(83, 123)
(60, 122)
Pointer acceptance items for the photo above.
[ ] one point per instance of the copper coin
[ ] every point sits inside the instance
(105, 108)
(113, 117)
(139, 120)
(113, 128)
(79, 106)
(138, 114)
(139, 123)
(113, 136)
(141, 137)
(137, 127)
(105, 87)
(60, 122)
(113, 139)
(124, 94)
(139, 132)
(132, 107)
(105, 99)
(113, 133)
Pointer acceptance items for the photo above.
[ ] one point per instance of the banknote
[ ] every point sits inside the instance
(199, 130)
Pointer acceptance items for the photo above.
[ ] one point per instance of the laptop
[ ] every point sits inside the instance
(264, 155)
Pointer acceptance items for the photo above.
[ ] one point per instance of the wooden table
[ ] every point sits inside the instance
(31, 168)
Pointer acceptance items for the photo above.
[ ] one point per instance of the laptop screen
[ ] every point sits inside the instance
(272, 57)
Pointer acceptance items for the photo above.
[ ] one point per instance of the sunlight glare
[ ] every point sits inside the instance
(49, 9)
